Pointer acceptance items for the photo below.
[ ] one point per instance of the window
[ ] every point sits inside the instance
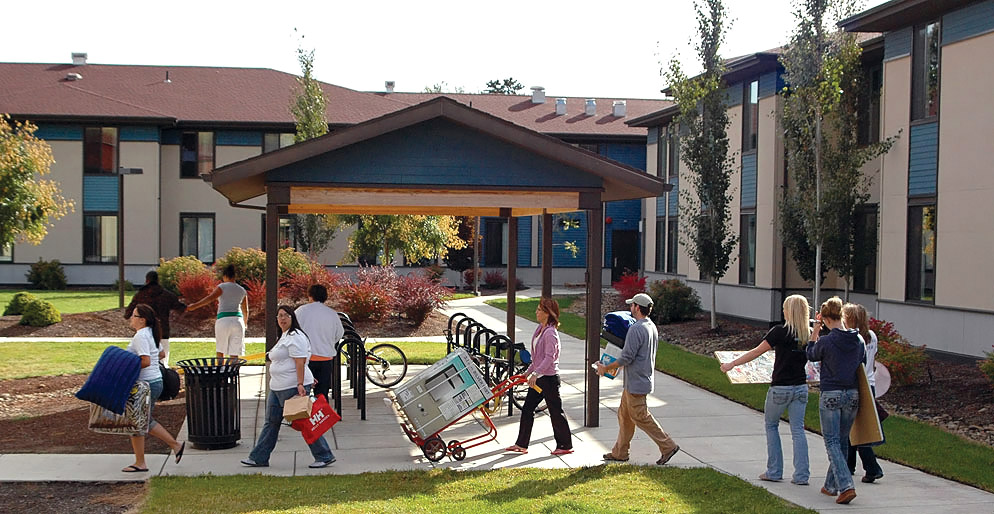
(868, 109)
(925, 72)
(865, 258)
(920, 280)
(196, 154)
(674, 169)
(100, 238)
(661, 243)
(196, 236)
(664, 139)
(494, 241)
(286, 233)
(100, 150)
(672, 243)
(747, 249)
(6, 252)
(275, 140)
(750, 116)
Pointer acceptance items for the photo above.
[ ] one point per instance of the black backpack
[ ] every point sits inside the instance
(170, 383)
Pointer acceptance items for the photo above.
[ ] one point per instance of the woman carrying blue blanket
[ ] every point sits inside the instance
(840, 351)
(145, 345)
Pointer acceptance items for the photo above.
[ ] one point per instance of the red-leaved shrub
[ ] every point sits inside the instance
(495, 279)
(418, 296)
(195, 285)
(894, 351)
(469, 275)
(256, 291)
(371, 294)
(629, 285)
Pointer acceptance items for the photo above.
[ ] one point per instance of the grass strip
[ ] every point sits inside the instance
(571, 324)
(599, 489)
(909, 442)
(418, 352)
(69, 301)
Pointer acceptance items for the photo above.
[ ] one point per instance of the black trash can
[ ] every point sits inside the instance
(213, 412)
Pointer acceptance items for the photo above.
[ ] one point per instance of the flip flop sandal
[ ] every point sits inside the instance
(561, 451)
(179, 454)
(516, 449)
(134, 469)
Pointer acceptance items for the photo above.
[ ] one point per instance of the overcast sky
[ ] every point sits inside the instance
(609, 48)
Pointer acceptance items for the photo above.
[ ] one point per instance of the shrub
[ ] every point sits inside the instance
(435, 273)
(39, 313)
(256, 292)
(16, 305)
(629, 285)
(197, 285)
(987, 366)
(128, 286)
(295, 285)
(519, 285)
(418, 296)
(903, 360)
(494, 279)
(169, 271)
(250, 264)
(292, 263)
(371, 294)
(469, 275)
(673, 301)
(47, 275)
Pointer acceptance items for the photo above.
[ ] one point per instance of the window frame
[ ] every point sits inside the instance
(198, 172)
(869, 109)
(673, 243)
(863, 213)
(750, 116)
(117, 151)
(279, 141)
(6, 253)
(199, 215)
(745, 247)
(919, 256)
(919, 90)
(111, 259)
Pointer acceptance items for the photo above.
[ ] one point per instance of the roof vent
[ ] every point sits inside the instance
(538, 95)
(167, 81)
(389, 85)
(73, 76)
(590, 107)
(619, 108)
(560, 106)
(79, 58)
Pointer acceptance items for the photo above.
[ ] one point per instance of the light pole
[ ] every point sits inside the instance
(121, 172)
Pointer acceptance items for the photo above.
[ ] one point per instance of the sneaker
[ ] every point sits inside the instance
(869, 479)
(609, 457)
(253, 464)
(766, 478)
(799, 482)
(322, 463)
(666, 458)
(826, 492)
(846, 496)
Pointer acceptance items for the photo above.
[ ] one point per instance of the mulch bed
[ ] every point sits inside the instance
(62, 497)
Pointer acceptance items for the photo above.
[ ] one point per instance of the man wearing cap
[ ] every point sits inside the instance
(638, 358)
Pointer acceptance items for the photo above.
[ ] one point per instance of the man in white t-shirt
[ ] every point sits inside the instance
(324, 329)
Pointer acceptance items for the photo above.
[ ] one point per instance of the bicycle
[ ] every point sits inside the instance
(386, 365)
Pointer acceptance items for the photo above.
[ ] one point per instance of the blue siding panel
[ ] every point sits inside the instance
(525, 241)
(432, 153)
(748, 188)
(897, 43)
(630, 154)
(99, 193)
(562, 257)
(968, 22)
(733, 94)
(923, 159)
(661, 206)
(768, 84)
(59, 132)
(237, 138)
(148, 134)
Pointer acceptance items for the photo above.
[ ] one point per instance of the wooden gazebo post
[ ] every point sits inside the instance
(277, 200)
(546, 253)
(595, 259)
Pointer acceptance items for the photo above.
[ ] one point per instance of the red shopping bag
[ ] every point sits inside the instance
(323, 417)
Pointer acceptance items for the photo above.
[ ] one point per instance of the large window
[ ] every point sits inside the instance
(920, 280)
(100, 150)
(286, 232)
(99, 237)
(750, 116)
(747, 249)
(661, 241)
(925, 72)
(674, 151)
(495, 242)
(868, 123)
(865, 257)
(196, 154)
(664, 139)
(275, 140)
(672, 242)
(6, 253)
(196, 236)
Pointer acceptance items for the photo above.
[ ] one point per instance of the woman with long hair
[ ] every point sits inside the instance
(840, 352)
(854, 316)
(145, 344)
(232, 315)
(788, 389)
(289, 376)
(543, 379)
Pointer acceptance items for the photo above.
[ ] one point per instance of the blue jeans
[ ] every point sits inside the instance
(154, 390)
(866, 454)
(793, 399)
(271, 430)
(838, 411)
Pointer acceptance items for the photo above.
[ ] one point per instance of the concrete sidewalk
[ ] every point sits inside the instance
(711, 431)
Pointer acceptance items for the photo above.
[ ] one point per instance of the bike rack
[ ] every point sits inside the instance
(352, 343)
(449, 334)
(467, 334)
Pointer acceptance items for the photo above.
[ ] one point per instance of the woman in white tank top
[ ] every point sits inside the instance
(232, 315)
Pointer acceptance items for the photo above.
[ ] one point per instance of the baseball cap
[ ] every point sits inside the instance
(642, 299)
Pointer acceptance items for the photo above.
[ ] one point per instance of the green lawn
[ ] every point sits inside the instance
(600, 489)
(69, 301)
(571, 324)
(418, 352)
(909, 442)
(459, 296)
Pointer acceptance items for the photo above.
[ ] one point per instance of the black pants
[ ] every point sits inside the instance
(560, 429)
(322, 377)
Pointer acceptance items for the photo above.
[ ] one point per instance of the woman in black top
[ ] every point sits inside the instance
(788, 389)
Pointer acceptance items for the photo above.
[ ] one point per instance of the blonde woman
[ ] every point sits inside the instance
(840, 353)
(788, 389)
(854, 316)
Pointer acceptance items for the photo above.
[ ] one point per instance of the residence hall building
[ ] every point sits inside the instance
(178, 123)
(931, 196)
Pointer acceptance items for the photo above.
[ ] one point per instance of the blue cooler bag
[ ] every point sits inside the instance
(616, 324)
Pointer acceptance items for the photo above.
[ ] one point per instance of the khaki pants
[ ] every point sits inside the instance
(633, 412)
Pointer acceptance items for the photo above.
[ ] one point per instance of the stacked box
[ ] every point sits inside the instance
(443, 393)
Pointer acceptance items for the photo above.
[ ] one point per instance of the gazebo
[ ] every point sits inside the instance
(444, 158)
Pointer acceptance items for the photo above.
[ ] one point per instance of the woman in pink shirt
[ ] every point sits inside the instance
(543, 377)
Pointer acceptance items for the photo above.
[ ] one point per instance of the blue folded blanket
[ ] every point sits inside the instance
(618, 323)
(110, 382)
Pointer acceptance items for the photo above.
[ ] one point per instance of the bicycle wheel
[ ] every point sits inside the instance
(386, 365)
(520, 391)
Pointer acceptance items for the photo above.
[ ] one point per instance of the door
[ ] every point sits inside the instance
(624, 253)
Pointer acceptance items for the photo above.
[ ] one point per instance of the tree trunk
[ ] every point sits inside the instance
(714, 308)
(817, 229)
